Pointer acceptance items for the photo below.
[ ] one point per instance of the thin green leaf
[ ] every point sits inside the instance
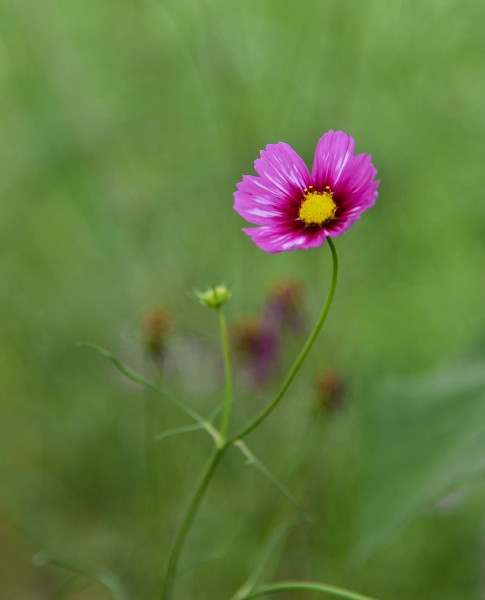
(137, 378)
(261, 561)
(309, 586)
(254, 460)
(177, 431)
(212, 416)
(423, 437)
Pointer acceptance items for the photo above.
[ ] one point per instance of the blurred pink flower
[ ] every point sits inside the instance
(296, 209)
(258, 348)
(283, 307)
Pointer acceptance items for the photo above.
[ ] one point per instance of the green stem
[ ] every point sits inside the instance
(222, 444)
(309, 586)
(301, 357)
(228, 376)
(187, 522)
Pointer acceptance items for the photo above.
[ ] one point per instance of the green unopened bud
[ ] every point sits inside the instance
(215, 296)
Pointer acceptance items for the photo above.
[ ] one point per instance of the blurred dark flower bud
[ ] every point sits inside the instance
(258, 349)
(214, 297)
(156, 325)
(284, 305)
(330, 388)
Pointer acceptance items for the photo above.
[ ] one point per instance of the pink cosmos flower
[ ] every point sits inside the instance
(296, 209)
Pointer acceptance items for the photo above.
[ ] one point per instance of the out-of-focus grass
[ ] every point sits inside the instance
(124, 129)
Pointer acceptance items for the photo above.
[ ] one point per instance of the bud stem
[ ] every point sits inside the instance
(228, 376)
(222, 444)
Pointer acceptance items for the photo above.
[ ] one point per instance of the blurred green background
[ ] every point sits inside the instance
(124, 129)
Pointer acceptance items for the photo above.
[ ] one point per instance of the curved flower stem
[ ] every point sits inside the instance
(187, 521)
(301, 357)
(228, 375)
(310, 586)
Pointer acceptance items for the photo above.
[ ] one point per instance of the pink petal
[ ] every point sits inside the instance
(283, 168)
(334, 150)
(258, 204)
(281, 238)
(356, 183)
(276, 193)
(350, 177)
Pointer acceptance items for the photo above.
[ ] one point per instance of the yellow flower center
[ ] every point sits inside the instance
(317, 207)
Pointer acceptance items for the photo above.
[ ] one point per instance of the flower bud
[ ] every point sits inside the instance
(156, 325)
(330, 387)
(214, 297)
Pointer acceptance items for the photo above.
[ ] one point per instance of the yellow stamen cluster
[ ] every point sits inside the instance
(317, 207)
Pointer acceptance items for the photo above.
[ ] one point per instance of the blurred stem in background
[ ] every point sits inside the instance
(282, 520)
(152, 471)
